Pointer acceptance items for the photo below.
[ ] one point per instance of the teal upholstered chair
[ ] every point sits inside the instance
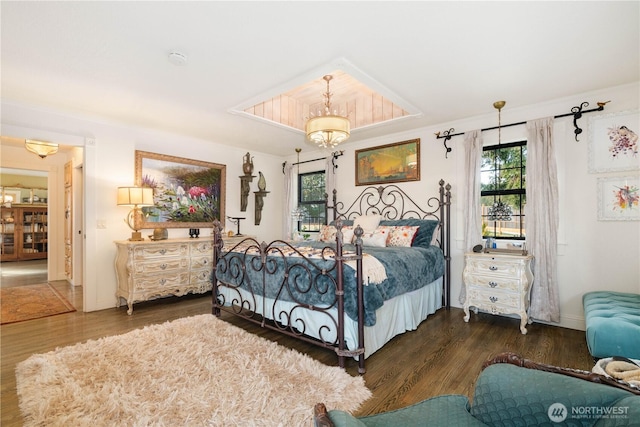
(512, 391)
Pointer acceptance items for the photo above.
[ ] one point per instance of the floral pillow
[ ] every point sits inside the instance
(327, 233)
(402, 235)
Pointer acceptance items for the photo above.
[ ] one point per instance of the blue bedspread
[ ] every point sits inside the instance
(407, 268)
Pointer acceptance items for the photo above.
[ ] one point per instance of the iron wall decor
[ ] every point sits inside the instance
(397, 162)
(613, 142)
(187, 193)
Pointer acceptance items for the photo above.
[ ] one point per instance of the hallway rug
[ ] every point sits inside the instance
(20, 303)
(194, 371)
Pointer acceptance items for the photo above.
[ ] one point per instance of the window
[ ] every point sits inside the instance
(311, 190)
(503, 180)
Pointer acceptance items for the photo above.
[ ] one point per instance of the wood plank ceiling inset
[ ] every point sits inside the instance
(350, 98)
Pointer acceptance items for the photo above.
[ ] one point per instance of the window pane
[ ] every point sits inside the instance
(503, 180)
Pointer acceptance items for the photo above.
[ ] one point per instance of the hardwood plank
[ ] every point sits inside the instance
(443, 356)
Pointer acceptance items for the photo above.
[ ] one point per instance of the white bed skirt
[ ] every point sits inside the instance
(397, 315)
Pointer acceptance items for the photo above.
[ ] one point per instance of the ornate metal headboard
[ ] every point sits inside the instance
(394, 203)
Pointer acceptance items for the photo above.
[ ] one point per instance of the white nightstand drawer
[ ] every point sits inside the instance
(508, 301)
(493, 266)
(507, 284)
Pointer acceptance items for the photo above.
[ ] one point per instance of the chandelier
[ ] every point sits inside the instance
(327, 129)
(41, 148)
(499, 211)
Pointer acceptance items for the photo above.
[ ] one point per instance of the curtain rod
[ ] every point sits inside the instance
(335, 155)
(576, 112)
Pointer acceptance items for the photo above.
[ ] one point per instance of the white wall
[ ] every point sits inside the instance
(109, 154)
(594, 254)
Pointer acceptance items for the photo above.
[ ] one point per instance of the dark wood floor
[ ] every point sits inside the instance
(444, 355)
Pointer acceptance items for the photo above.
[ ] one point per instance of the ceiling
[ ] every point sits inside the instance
(440, 61)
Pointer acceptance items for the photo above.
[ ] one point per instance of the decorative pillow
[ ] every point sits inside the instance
(424, 236)
(402, 235)
(377, 239)
(369, 223)
(347, 234)
(328, 233)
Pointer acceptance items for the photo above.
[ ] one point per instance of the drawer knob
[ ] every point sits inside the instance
(163, 266)
(493, 299)
(493, 284)
(493, 268)
(163, 251)
(163, 281)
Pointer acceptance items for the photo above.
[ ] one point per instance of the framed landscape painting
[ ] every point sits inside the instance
(397, 162)
(613, 142)
(186, 193)
(619, 198)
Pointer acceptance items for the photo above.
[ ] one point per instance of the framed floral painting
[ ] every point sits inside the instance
(619, 198)
(613, 142)
(186, 193)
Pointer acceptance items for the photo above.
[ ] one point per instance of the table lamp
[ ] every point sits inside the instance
(136, 197)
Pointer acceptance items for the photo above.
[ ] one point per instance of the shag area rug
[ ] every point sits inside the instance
(28, 302)
(194, 371)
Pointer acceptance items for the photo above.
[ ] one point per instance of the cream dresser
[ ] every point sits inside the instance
(499, 284)
(152, 269)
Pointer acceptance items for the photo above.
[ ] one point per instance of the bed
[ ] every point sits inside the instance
(379, 269)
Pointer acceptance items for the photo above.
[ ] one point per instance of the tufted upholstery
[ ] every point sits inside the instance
(509, 394)
(613, 324)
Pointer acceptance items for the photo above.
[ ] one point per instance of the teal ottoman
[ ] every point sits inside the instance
(613, 324)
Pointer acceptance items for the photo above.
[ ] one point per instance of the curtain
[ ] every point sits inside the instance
(473, 221)
(329, 179)
(289, 201)
(541, 213)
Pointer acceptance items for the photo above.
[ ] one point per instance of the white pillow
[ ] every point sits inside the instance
(369, 223)
(347, 234)
(375, 239)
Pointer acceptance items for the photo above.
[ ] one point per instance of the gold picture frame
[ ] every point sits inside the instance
(384, 164)
(187, 193)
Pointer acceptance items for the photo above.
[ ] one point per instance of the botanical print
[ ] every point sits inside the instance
(186, 192)
(613, 142)
(624, 141)
(625, 197)
(619, 198)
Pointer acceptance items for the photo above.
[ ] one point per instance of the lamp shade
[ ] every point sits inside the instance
(41, 148)
(135, 196)
(328, 131)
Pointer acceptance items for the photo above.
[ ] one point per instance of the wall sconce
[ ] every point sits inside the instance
(136, 197)
(41, 148)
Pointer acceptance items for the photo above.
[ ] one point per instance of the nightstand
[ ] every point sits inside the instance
(499, 284)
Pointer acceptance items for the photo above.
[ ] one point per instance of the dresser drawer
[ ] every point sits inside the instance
(156, 251)
(495, 282)
(202, 262)
(494, 267)
(502, 302)
(159, 265)
(202, 279)
(162, 282)
(204, 247)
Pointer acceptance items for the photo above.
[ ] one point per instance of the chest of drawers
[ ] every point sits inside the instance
(499, 284)
(153, 269)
